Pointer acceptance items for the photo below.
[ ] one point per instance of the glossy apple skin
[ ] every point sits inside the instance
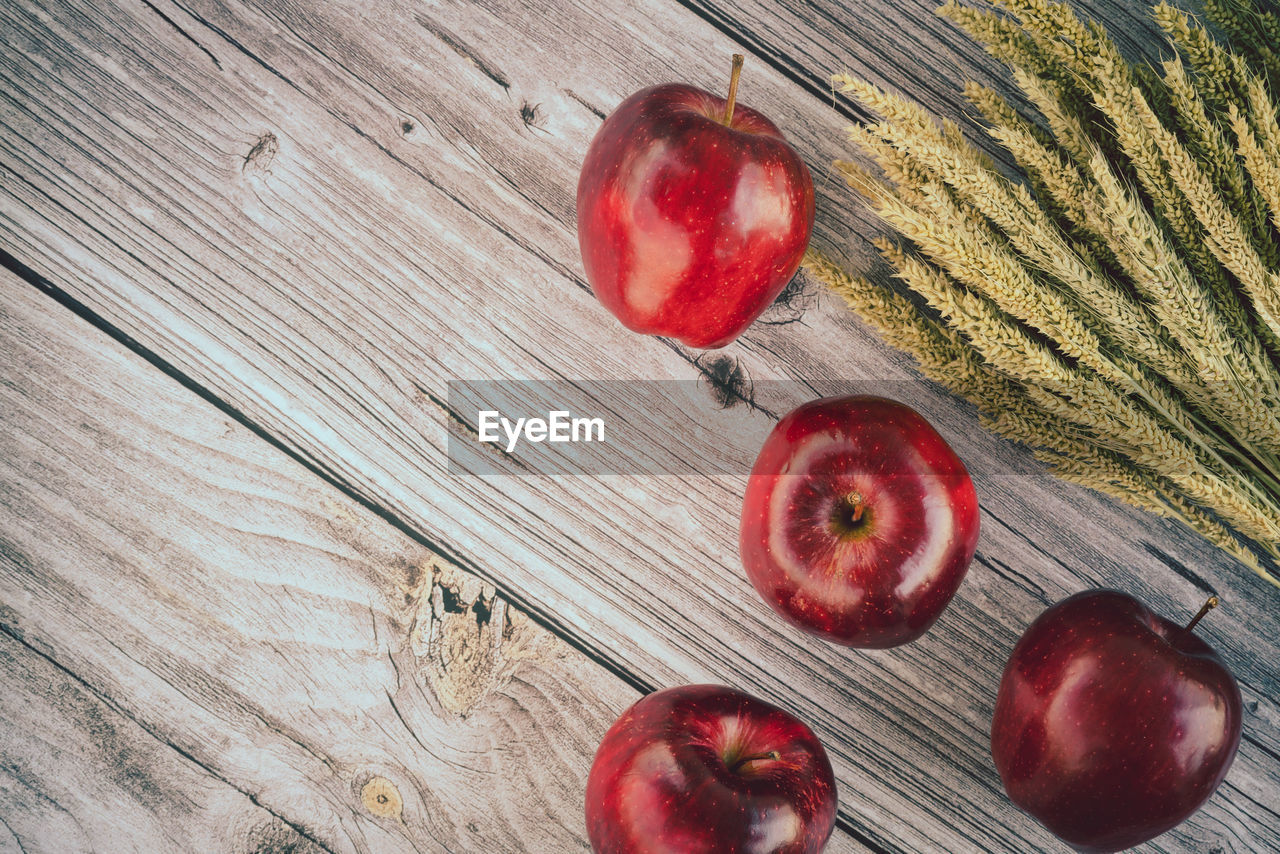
(884, 580)
(688, 228)
(662, 783)
(1112, 723)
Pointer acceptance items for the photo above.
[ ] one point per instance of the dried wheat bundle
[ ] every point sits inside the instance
(1118, 306)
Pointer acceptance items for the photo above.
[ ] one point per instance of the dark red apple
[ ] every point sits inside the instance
(693, 214)
(704, 769)
(1112, 723)
(859, 521)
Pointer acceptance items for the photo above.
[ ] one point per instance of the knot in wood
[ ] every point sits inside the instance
(381, 797)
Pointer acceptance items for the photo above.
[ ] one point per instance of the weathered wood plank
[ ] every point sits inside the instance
(205, 648)
(261, 278)
(78, 775)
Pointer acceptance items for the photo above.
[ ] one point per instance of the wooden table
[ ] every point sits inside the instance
(245, 607)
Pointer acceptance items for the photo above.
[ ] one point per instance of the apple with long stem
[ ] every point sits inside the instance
(704, 769)
(1113, 724)
(693, 213)
(859, 521)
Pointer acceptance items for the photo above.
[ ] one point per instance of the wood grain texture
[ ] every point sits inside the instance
(322, 213)
(79, 775)
(205, 648)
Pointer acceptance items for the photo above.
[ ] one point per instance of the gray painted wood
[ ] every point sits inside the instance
(322, 215)
(205, 648)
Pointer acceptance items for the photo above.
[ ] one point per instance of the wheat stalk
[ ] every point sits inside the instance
(1117, 308)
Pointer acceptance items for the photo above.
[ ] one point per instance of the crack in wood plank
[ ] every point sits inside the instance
(459, 47)
(186, 35)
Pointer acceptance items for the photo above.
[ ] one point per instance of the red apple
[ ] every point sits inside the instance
(704, 769)
(1113, 724)
(859, 521)
(691, 223)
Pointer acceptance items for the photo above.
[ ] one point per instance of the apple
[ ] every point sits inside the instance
(693, 214)
(704, 769)
(859, 521)
(1112, 723)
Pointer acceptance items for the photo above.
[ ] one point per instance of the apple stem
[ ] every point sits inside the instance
(854, 500)
(738, 59)
(743, 760)
(1209, 605)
